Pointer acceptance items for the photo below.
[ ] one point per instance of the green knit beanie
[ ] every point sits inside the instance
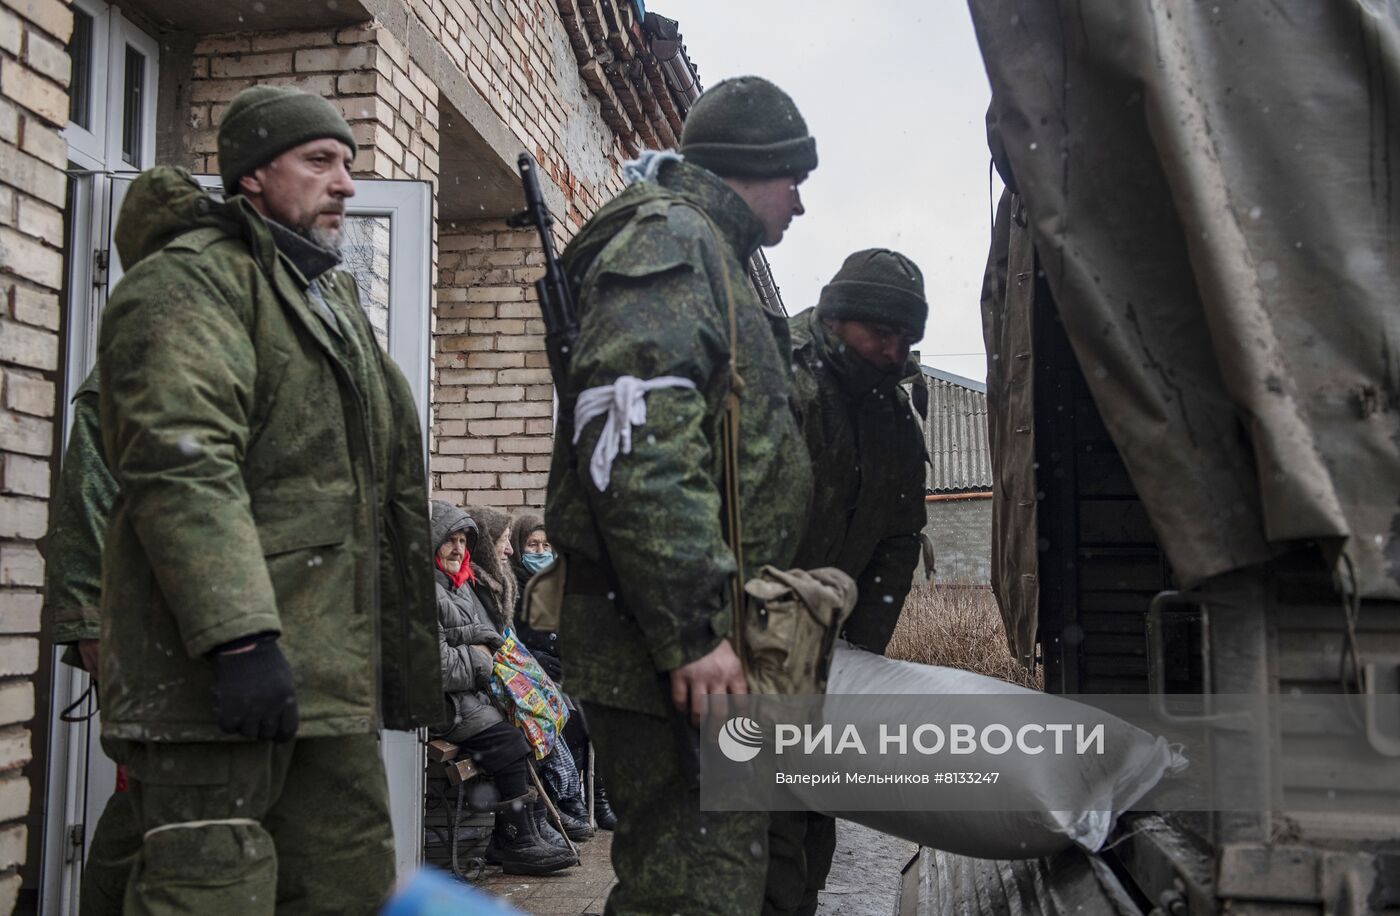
(747, 127)
(264, 122)
(879, 286)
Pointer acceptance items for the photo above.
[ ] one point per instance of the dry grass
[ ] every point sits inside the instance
(957, 628)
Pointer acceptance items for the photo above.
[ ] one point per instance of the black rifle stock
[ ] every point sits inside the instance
(556, 301)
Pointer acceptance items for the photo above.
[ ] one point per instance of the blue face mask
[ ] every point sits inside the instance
(535, 562)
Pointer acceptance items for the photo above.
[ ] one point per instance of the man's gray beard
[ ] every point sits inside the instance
(329, 239)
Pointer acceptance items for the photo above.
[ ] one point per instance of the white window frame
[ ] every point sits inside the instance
(98, 148)
(87, 146)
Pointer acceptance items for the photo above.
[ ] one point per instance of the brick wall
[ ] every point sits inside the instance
(494, 400)
(391, 104)
(517, 55)
(34, 72)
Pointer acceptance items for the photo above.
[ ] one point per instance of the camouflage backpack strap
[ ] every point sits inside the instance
(734, 528)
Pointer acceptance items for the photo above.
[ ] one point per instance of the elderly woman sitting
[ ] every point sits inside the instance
(500, 589)
(468, 635)
(532, 554)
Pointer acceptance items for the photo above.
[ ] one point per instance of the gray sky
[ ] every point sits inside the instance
(895, 93)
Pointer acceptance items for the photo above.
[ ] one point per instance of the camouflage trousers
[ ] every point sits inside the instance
(669, 856)
(253, 827)
(112, 851)
(800, 847)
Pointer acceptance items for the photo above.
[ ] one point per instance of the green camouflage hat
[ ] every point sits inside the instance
(747, 127)
(263, 122)
(877, 285)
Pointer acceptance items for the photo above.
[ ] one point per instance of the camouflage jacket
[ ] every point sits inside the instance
(649, 276)
(868, 460)
(82, 502)
(271, 474)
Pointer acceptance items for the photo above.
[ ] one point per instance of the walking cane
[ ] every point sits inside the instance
(549, 806)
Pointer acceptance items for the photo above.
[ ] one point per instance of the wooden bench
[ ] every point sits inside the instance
(447, 816)
(444, 760)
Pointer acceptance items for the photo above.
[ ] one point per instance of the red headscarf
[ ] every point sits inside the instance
(464, 572)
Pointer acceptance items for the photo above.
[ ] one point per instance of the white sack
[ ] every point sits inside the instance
(1101, 787)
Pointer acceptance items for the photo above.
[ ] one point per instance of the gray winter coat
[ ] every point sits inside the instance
(466, 633)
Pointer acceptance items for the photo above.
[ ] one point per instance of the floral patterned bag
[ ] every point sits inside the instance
(527, 696)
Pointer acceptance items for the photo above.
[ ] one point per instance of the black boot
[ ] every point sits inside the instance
(519, 848)
(602, 811)
(543, 828)
(546, 829)
(574, 814)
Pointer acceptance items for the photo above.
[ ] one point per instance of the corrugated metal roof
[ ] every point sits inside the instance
(956, 433)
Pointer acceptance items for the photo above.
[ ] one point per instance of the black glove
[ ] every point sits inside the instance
(481, 634)
(483, 667)
(551, 665)
(254, 695)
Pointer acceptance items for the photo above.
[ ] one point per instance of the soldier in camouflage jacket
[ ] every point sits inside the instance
(647, 612)
(849, 356)
(265, 572)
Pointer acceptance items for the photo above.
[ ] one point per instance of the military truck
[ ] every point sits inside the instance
(1192, 318)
